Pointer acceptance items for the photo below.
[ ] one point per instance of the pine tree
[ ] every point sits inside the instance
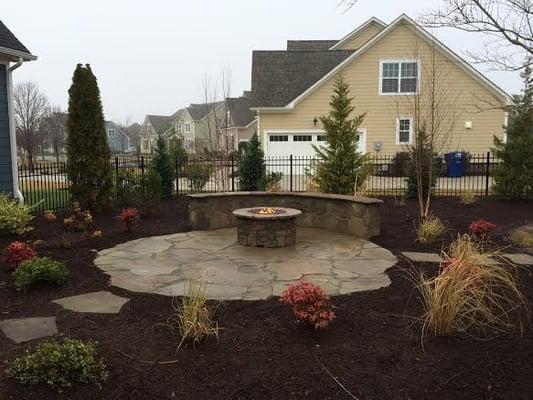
(178, 156)
(161, 165)
(252, 166)
(88, 163)
(514, 176)
(340, 166)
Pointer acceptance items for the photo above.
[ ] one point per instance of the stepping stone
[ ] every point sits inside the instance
(96, 302)
(422, 257)
(521, 258)
(23, 329)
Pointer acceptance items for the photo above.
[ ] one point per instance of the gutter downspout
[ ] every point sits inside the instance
(12, 132)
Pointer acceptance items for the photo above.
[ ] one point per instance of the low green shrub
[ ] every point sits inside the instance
(14, 217)
(138, 190)
(59, 364)
(198, 174)
(39, 270)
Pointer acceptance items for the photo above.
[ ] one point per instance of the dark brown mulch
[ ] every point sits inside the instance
(373, 348)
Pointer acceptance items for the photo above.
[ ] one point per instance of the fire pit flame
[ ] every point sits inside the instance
(267, 211)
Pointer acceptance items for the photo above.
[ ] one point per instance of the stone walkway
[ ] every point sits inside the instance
(166, 264)
(519, 259)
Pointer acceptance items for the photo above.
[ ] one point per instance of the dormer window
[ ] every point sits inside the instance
(399, 77)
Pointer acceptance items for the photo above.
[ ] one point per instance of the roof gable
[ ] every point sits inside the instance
(9, 44)
(373, 24)
(460, 62)
(199, 111)
(310, 45)
(239, 109)
(160, 123)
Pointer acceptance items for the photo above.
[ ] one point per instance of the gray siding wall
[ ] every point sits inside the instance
(119, 142)
(6, 170)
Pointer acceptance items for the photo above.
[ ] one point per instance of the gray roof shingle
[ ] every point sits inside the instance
(239, 109)
(9, 41)
(161, 123)
(198, 111)
(278, 77)
(310, 45)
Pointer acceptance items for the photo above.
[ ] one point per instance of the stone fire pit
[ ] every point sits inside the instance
(266, 226)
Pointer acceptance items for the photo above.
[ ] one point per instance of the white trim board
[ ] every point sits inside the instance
(357, 30)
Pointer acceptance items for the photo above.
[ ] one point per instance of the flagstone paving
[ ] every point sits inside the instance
(96, 302)
(23, 329)
(521, 259)
(166, 264)
(422, 257)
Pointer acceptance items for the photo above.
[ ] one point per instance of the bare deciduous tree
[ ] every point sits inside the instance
(30, 106)
(54, 128)
(507, 25)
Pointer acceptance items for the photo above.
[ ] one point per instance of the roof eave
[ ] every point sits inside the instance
(357, 30)
(283, 109)
(17, 54)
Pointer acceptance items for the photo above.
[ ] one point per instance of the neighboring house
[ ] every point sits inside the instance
(386, 67)
(239, 124)
(12, 54)
(118, 140)
(152, 126)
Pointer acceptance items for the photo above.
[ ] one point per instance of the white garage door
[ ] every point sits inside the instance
(299, 144)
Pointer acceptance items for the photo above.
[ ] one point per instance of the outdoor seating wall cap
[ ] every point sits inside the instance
(361, 200)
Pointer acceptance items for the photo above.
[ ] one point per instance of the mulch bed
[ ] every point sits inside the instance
(373, 347)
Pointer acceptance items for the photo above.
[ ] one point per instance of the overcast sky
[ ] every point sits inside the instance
(150, 56)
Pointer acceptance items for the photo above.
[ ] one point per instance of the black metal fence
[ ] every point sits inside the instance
(47, 185)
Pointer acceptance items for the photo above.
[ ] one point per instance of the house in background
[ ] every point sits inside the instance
(387, 68)
(118, 140)
(237, 122)
(12, 54)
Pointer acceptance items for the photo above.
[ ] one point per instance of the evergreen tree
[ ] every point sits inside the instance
(88, 163)
(340, 165)
(178, 156)
(252, 166)
(514, 176)
(420, 157)
(161, 165)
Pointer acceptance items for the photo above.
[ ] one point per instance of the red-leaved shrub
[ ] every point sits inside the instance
(481, 229)
(17, 252)
(129, 218)
(310, 304)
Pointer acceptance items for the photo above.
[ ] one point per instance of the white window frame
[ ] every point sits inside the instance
(398, 131)
(187, 127)
(111, 132)
(179, 129)
(399, 62)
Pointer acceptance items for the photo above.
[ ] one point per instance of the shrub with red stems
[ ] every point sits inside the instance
(129, 218)
(481, 229)
(309, 303)
(16, 253)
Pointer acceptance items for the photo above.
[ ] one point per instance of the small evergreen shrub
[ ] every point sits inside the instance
(178, 157)
(481, 229)
(59, 364)
(16, 253)
(252, 171)
(139, 190)
(14, 217)
(310, 304)
(129, 218)
(198, 174)
(39, 270)
(161, 165)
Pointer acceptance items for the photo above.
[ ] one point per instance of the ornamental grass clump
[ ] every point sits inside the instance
(59, 364)
(192, 319)
(471, 294)
(468, 198)
(430, 229)
(39, 270)
(16, 253)
(310, 304)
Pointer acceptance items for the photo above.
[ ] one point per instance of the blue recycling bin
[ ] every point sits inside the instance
(455, 164)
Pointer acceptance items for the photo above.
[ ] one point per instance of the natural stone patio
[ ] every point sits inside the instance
(23, 329)
(166, 264)
(422, 257)
(96, 302)
(520, 259)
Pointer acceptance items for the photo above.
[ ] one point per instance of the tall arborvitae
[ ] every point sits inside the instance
(161, 166)
(340, 166)
(88, 165)
(514, 175)
(252, 169)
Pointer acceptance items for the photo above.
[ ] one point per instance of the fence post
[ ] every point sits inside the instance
(177, 176)
(232, 172)
(116, 167)
(142, 165)
(290, 175)
(487, 174)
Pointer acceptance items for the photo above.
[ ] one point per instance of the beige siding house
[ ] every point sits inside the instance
(394, 71)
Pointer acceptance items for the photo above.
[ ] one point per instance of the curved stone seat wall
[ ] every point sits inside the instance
(358, 216)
